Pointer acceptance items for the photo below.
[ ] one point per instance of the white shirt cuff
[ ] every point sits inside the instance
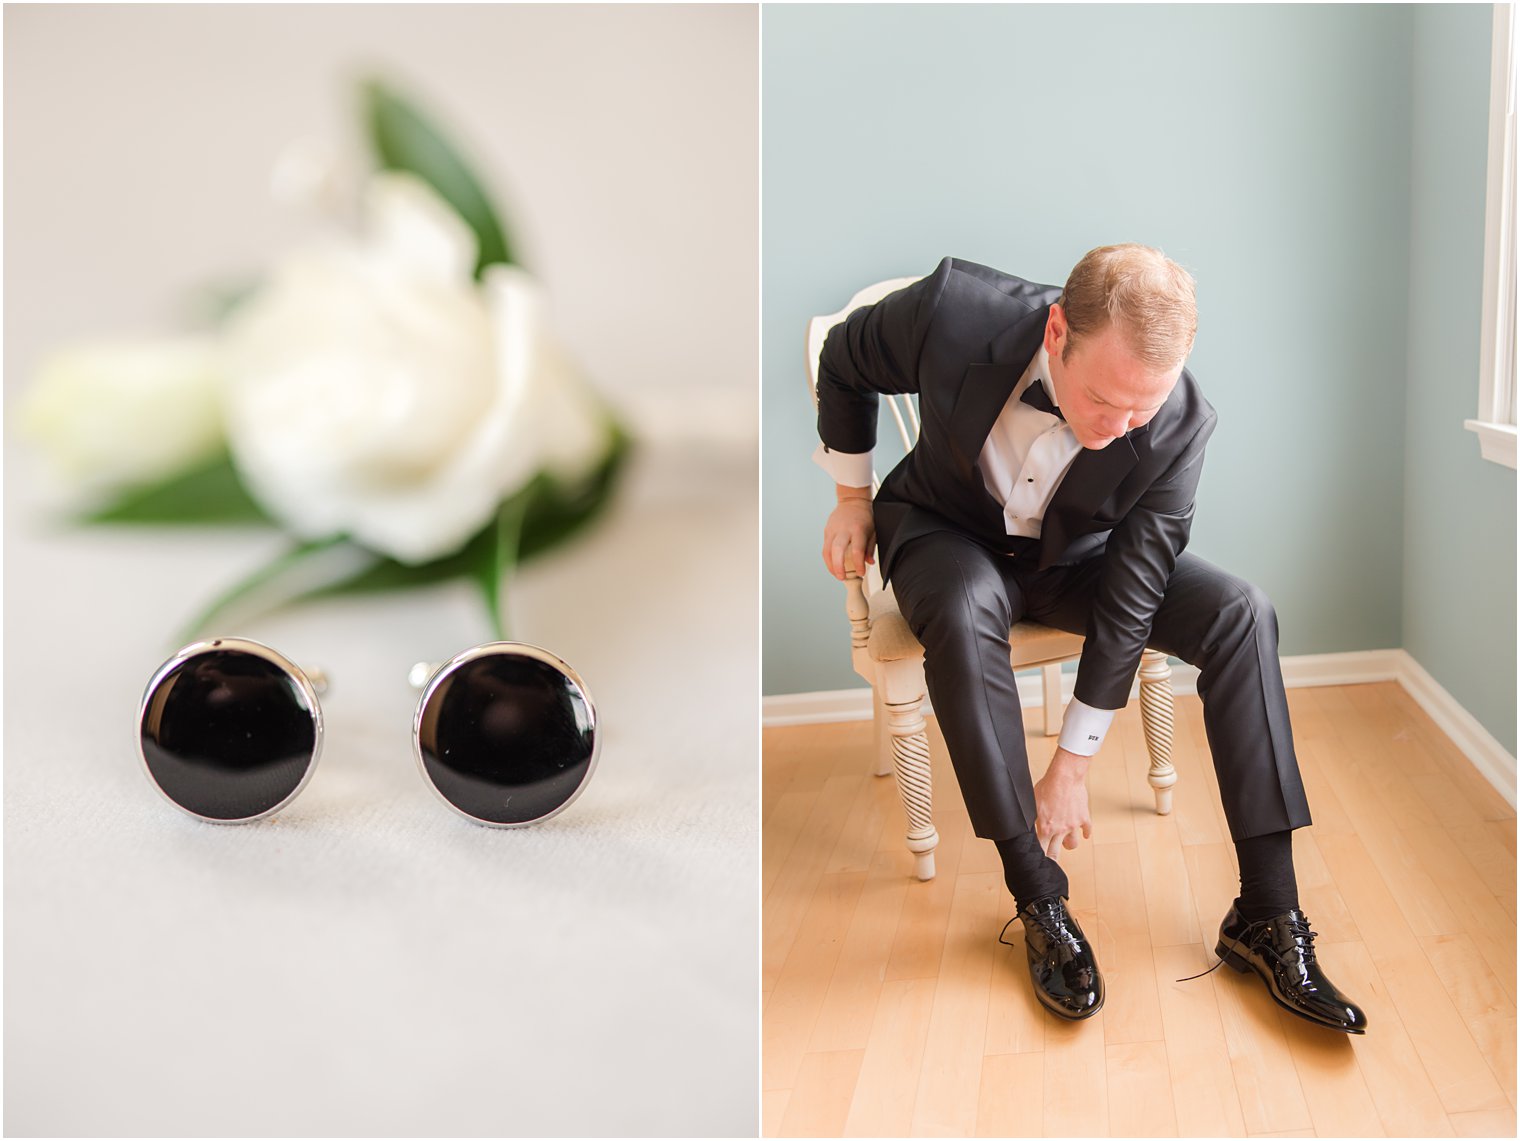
(852, 469)
(1083, 728)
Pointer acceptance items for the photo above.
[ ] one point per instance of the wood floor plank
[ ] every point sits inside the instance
(1490, 857)
(780, 835)
(1076, 1087)
(772, 1110)
(1198, 1059)
(949, 1081)
(798, 878)
(1406, 1098)
(1340, 1104)
(793, 1006)
(1266, 1079)
(821, 1099)
(1015, 1019)
(1318, 896)
(1487, 1011)
(1108, 794)
(1490, 927)
(877, 807)
(1485, 1123)
(1139, 1091)
(1011, 1100)
(1505, 831)
(1317, 746)
(849, 1005)
(1462, 774)
(882, 1100)
(918, 944)
(1169, 908)
(1411, 784)
(1439, 890)
(1132, 1006)
(1214, 880)
(1451, 1057)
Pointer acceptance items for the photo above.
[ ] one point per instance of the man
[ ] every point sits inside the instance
(1054, 480)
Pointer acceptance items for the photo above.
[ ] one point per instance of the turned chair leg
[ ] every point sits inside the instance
(882, 722)
(1157, 715)
(910, 760)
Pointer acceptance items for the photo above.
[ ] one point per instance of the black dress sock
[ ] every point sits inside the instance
(1268, 886)
(1028, 871)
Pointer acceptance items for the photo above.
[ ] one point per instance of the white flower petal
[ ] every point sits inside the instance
(114, 414)
(376, 390)
(411, 230)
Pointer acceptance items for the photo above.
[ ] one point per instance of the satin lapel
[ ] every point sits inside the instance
(1090, 480)
(984, 392)
(985, 388)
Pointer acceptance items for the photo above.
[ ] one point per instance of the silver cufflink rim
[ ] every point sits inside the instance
(310, 683)
(427, 677)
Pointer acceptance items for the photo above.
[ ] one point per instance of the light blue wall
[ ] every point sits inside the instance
(1266, 148)
(1459, 548)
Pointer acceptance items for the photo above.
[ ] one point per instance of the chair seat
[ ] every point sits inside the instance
(891, 640)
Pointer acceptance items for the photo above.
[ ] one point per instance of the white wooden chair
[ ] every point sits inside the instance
(885, 653)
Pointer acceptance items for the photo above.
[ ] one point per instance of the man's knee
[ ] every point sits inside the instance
(1244, 611)
(1209, 610)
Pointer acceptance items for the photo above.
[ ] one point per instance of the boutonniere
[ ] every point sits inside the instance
(391, 394)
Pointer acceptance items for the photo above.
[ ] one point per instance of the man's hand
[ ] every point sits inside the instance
(1060, 798)
(849, 537)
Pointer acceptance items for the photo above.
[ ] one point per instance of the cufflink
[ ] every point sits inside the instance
(229, 730)
(505, 733)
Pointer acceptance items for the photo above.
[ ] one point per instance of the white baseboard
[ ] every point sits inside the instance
(1480, 746)
(818, 707)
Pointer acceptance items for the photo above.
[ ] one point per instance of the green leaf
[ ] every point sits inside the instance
(209, 306)
(558, 510)
(268, 578)
(404, 139)
(209, 493)
(499, 559)
(544, 514)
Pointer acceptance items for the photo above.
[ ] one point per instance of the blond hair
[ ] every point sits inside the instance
(1142, 291)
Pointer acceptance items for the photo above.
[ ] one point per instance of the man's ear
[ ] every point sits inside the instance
(1056, 331)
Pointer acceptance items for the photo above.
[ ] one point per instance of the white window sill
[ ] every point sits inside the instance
(1496, 440)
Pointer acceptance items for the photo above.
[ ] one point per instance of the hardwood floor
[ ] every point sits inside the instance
(890, 1008)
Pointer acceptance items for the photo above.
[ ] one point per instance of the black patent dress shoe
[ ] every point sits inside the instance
(1061, 962)
(1281, 951)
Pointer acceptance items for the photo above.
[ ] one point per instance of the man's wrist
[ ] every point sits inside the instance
(843, 492)
(1070, 765)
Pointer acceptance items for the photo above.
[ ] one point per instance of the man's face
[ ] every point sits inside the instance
(1103, 390)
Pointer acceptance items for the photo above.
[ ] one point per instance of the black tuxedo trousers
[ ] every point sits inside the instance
(961, 598)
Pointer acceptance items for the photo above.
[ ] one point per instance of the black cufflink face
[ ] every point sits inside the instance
(506, 734)
(229, 730)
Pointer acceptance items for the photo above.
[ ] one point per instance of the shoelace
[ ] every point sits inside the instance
(1299, 928)
(1303, 936)
(1051, 921)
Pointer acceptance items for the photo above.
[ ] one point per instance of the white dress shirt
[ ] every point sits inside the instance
(1027, 454)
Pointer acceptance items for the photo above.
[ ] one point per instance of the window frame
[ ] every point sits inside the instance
(1495, 422)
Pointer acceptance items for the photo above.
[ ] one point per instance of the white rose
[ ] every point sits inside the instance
(375, 389)
(112, 415)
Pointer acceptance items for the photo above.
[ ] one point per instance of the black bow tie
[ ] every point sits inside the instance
(1035, 397)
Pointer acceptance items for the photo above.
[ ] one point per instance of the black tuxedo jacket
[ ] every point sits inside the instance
(961, 338)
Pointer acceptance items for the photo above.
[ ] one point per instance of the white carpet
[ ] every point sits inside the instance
(368, 962)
